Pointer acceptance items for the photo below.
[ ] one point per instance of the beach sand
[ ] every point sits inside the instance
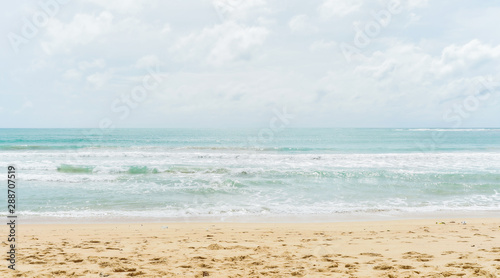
(407, 248)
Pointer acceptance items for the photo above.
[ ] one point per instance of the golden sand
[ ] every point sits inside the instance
(408, 248)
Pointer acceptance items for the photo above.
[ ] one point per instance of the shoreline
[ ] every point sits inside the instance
(397, 248)
(287, 218)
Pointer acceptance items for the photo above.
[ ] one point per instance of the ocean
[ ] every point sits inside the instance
(220, 174)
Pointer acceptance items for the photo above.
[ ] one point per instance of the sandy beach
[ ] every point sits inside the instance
(405, 248)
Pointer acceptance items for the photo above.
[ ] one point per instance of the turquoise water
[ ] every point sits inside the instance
(190, 173)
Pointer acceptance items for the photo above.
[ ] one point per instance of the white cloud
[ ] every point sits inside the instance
(96, 63)
(72, 74)
(122, 6)
(221, 43)
(147, 62)
(338, 8)
(416, 3)
(166, 28)
(405, 81)
(83, 29)
(428, 56)
(39, 64)
(99, 79)
(230, 93)
(301, 23)
(463, 57)
(103, 34)
(322, 45)
(238, 9)
(413, 18)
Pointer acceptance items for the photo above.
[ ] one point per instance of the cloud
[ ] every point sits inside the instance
(404, 81)
(412, 4)
(301, 23)
(99, 79)
(72, 74)
(465, 57)
(86, 32)
(221, 43)
(238, 9)
(166, 28)
(122, 6)
(338, 8)
(147, 62)
(83, 29)
(232, 95)
(322, 45)
(240, 59)
(96, 63)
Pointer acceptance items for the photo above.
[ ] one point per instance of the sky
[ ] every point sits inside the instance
(242, 63)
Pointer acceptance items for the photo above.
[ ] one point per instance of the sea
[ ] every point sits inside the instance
(251, 174)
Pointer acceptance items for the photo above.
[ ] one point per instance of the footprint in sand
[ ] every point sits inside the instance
(420, 257)
(383, 267)
(371, 254)
(124, 269)
(215, 246)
